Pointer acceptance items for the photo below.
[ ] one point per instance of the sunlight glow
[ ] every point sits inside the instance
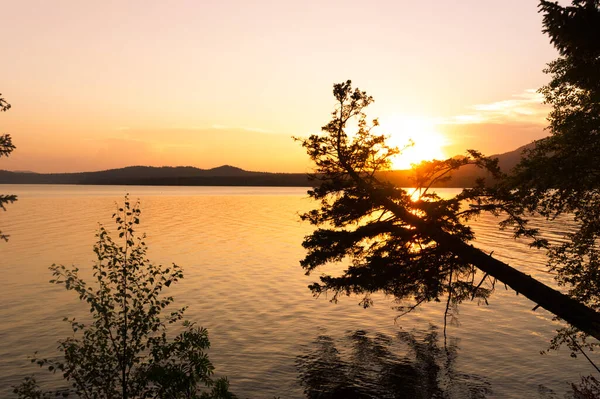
(428, 142)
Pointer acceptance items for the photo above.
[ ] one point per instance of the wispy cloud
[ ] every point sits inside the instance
(256, 129)
(246, 128)
(216, 126)
(526, 107)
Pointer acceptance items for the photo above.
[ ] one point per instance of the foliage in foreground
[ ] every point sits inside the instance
(561, 174)
(125, 351)
(6, 147)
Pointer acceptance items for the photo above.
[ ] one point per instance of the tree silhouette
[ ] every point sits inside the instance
(6, 147)
(414, 247)
(561, 174)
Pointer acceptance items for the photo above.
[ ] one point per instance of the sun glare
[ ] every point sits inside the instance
(428, 143)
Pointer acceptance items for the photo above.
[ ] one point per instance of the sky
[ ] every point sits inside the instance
(105, 84)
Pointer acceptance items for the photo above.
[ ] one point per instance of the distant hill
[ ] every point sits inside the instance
(227, 176)
(466, 176)
(161, 176)
(509, 160)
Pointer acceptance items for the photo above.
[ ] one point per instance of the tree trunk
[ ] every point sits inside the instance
(568, 309)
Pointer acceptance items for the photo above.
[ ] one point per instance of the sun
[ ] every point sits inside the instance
(428, 142)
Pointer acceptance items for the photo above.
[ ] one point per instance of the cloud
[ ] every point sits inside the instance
(490, 138)
(498, 126)
(248, 129)
(256, 129)
(526, 107)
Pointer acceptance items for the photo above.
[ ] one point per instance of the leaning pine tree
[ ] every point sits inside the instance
(416, 249)
(125, 350)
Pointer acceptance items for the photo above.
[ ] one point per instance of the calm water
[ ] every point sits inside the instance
(240, 248)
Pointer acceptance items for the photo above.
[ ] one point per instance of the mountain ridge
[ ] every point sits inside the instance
(227, 175)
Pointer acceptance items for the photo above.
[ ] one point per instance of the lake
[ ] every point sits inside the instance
(240, 249)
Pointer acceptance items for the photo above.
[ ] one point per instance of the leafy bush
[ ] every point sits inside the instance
(125, 351)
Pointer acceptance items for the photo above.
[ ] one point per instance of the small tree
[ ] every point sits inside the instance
(6, 147)
(125, 351)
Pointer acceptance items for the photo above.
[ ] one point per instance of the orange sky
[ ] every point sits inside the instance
(97, 85)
